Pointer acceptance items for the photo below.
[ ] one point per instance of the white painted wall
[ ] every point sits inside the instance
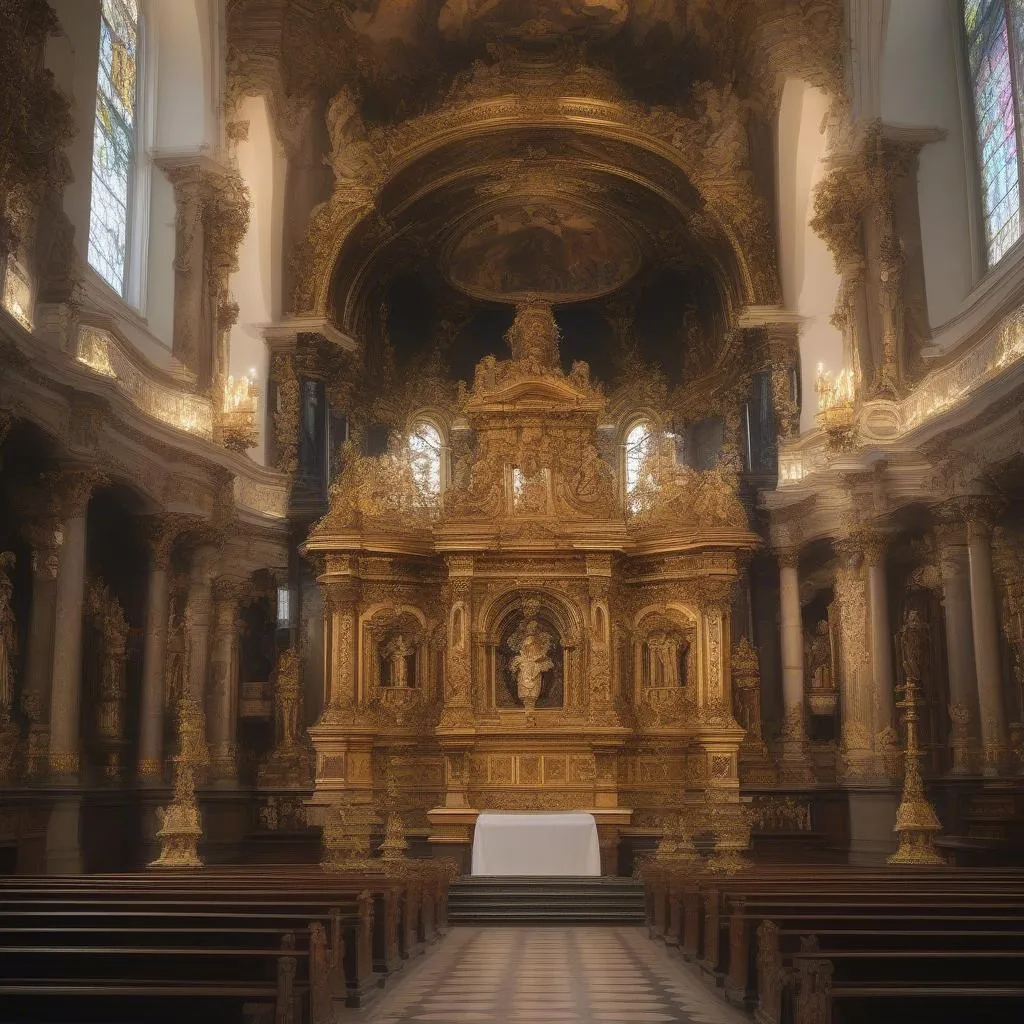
(809, 280)
(73, 57)
(920, 87)
(256, 286)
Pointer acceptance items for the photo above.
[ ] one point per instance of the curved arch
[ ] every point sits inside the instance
(568, 618)
(733, 215)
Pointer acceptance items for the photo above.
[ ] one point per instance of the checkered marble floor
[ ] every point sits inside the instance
(520, 975)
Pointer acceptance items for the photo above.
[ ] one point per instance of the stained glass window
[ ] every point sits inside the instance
(425, 458)
(113, 154)
(995, 46)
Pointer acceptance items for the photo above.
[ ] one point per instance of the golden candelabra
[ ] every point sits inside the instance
(238, 425)
(917, 824)
(836, 405)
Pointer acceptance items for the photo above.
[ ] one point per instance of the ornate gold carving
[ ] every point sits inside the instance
(110, 630)
(780, 814)
(290, 762)
(286, 415)
(158, 397)
(347, 835)
(916, 821)
(180, 825)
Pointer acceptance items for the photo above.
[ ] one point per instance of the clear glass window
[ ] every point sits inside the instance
(425, 458)
(640, 442)
(114, 135)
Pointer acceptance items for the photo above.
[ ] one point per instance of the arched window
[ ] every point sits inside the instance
(114, 142)
(425, 447)
(640, 443)
(995, 47)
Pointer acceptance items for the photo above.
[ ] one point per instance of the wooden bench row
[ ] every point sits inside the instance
(885, 935)
(292, 943)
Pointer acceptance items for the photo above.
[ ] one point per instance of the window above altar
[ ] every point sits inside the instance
(426, 451)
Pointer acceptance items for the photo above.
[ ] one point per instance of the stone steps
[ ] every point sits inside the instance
(543, 900)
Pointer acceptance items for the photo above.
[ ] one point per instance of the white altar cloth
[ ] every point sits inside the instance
(536, 844)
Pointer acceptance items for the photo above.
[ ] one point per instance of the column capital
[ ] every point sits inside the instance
(160, 531)
(230, 589)
(872, 543)
(949, 534)
(978, 512)
(788, 558)
(70, 489)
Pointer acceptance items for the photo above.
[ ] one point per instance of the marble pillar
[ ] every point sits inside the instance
(160, 534)
(794, 765)
(995, 733)
(883, 692)
(74, 489)
(223, 702)
(963, 683)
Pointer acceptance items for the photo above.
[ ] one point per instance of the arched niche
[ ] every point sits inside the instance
(526, 633)
(666, 664)
(394, 650)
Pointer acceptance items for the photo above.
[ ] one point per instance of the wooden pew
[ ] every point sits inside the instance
(104, 982)
(135, 920)
(983, 986)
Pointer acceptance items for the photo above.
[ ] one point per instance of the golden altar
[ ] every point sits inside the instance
(536, 635)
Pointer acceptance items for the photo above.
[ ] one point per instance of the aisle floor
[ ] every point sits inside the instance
(570, 975)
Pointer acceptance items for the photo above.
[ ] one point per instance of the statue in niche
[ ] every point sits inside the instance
(666, 659)
(663, 659)
(397, 653)
(818, 658)
(530, 662)
(8, 636)
(178, 658)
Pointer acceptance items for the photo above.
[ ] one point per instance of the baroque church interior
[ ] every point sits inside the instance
(414, 412)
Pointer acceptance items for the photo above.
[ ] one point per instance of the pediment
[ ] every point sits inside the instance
(536, 393)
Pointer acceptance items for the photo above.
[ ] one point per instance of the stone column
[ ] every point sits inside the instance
(886, 739)
(190, 346)
(74, 488)
(44, 536)
(223, 704)
(199, 614)
(963, 682)
(794, 765)
(995, 733)
(160, 533)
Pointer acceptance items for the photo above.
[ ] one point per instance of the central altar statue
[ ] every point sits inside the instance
(538, 620)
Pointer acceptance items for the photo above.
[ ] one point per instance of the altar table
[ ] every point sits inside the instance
(536, 844)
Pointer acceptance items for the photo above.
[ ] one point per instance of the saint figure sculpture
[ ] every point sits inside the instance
(530, 662)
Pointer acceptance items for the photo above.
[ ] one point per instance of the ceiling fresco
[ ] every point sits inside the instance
(543, 248)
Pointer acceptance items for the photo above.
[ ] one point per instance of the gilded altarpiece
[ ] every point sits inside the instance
(531, 638)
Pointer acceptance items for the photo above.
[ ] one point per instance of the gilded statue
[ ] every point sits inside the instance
(8, 636)
(664, 655)
(531, 661)
(178, 657)
(913, 639)
(287, 697)
(397, 653)
(818, 658)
